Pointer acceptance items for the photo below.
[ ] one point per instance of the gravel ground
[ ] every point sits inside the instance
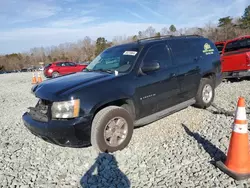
(176, 151)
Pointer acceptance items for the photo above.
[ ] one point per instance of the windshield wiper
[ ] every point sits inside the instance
(105, 70)
(99, 70)
(88, 70)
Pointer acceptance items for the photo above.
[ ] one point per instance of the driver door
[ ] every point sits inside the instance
(159, 89)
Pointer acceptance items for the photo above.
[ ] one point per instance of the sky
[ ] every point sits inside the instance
(34, 23)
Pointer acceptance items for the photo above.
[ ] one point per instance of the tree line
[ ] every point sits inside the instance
(87, 49)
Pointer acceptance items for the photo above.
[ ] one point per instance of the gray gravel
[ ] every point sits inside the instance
(176, 151)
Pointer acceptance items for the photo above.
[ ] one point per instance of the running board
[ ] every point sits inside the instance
(158, 115)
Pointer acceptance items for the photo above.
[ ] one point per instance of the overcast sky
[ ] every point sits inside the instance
(34, 23)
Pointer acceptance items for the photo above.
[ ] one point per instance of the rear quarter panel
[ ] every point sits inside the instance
(211, 58)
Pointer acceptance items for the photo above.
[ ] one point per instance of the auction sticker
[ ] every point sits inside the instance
(130, 53)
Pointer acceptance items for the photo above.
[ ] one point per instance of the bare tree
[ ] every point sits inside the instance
(85, 49)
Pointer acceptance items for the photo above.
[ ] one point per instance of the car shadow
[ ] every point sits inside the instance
(237, 80)
(105, 173)
(214, 152)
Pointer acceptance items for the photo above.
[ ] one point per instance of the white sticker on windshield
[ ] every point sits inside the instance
(130, 53)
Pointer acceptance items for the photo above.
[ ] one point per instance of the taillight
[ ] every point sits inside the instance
(248, 60)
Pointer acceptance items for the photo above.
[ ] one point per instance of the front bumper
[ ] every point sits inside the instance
(67, 133)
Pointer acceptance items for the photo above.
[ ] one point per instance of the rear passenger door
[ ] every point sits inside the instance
(187, 56)
(157, 90)
(71, 67)
(60, 67)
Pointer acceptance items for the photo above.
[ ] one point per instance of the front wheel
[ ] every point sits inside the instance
(205, 94)
(55, 74)
(112, 129)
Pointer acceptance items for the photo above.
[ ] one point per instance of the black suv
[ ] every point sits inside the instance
(125, 86)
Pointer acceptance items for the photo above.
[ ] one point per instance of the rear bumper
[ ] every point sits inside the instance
(237, 74)
(67, 133)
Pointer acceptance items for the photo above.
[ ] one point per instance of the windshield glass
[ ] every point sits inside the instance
(119, 58)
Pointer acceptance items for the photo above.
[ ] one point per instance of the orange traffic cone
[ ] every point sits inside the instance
(237, 164)
(39, 79)
(33, 79)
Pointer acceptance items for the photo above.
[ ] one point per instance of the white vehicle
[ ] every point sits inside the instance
(41, 68)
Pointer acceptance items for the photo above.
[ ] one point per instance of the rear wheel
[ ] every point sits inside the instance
(205, 94)
(112, 129)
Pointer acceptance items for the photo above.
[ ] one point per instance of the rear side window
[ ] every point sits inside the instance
(181, 50)
(237, 45)
(70, 64)
(61, 64)
(158, 53)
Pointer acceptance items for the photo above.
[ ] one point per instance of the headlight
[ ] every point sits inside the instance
(66, 109)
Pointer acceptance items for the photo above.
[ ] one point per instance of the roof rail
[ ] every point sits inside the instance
(167, 36)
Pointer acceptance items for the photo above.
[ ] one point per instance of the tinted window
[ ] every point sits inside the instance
(158, 53)
(60, 64)
(119, 58)
(237, 45)
(69, 64)
(181, 50)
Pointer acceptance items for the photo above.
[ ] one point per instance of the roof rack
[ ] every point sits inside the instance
(167, 36)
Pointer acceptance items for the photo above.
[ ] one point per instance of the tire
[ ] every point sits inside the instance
(101, 120)
(55, 74)
(205, 83)
(130, 111)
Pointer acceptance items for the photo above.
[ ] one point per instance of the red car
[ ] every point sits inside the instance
(220, 45)
(61, 68)
(236, 58)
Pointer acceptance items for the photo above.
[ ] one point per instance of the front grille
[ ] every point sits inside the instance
(41, 112)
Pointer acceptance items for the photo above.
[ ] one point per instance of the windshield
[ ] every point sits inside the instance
(119, 58)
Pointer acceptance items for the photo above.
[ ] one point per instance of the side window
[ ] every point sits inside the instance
(232, 46)
(59, 64)
(245, 43)
(181, 51)
(69, 64)
(238, 45)
(158, 53)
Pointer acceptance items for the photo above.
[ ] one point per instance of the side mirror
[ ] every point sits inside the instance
(151, 66)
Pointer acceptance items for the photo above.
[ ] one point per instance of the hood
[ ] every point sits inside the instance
(51, 88)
